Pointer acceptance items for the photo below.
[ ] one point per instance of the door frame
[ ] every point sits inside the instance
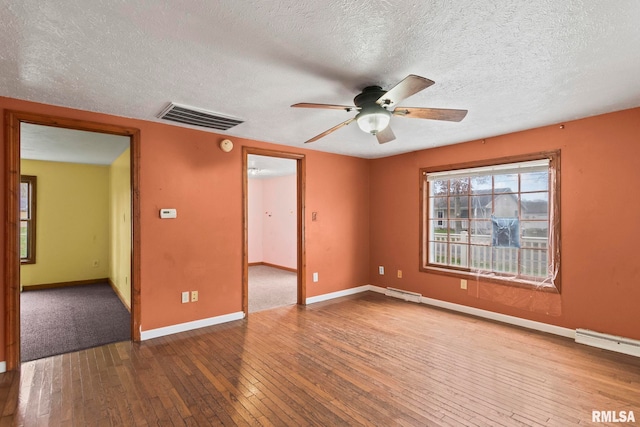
(300, 198)
(12, 221)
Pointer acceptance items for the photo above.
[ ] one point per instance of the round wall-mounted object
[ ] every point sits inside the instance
(226, 145)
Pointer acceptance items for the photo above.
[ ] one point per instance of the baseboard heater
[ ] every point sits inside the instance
(405, 295)
(608, 342)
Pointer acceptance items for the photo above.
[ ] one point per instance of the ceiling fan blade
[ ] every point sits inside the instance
(431, 113)
(385, 135)
(333, 129)
(411, 85)
(325, 106)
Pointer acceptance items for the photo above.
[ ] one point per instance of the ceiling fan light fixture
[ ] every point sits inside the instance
(374, 120)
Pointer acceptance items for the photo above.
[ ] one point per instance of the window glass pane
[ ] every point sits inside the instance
(481, 232)
(459, 255)
(438, 252)
(439, 188)
(505, 260)
(534, 181)
(533, 262)
(534, 230)
(438, 207)
(458, 207)
(459, 186)
(23, 239)
(459, 230)
(505, 183)
(481, 206)
(505, 206)
(481, 184)
(535, 205)
(24, 200)
(481, 257)
(438, 228)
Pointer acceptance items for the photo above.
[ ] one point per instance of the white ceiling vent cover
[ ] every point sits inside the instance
(198, 117)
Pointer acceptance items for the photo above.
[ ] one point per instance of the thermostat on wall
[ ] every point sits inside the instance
(168, 213)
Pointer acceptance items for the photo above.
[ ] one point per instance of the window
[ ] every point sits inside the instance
(499, 220)
(28, 219)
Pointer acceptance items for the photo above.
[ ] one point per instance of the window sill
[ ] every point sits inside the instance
(490, 279)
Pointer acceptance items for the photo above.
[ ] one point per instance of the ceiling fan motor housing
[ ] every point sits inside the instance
(369, 95)
(372, 117)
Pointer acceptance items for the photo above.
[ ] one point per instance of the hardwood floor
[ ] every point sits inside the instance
(361, 360)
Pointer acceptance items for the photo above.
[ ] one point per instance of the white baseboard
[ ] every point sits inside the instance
(3, 367)
(188, 326)
(504, 318)
(338, 294)
(512, 320)
(608, 342)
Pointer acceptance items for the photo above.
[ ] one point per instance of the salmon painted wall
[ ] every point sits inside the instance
(202, 248)
(600, 201)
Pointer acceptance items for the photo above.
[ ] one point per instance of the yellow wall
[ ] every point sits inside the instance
(120, 225)
(72, 228)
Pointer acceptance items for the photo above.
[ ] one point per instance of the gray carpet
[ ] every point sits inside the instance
(62, 320)
(271, 287)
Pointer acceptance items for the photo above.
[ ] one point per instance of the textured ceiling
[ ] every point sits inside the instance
(263, 167)
(69, 145)
(514, 65)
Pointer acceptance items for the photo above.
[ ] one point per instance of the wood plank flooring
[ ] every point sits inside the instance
(361, 360)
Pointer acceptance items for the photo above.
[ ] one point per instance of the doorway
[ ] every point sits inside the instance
(14, 122)
(273, 269)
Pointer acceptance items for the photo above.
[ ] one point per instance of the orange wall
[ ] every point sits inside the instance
(600, 229)
(368, 215)
(202, 249)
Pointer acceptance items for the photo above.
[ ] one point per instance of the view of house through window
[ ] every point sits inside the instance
(495, 220)
(28, 219)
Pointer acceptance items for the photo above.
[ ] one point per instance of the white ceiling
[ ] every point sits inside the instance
(262, 167)
(514, 65)
(69, 145)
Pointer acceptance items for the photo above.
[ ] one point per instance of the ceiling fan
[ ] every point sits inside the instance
(376, 106)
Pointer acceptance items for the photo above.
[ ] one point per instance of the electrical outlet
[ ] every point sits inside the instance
(463, 283)
(381, 270)
(315, 277)
(185, 297)
(399, 274)
(194, 296)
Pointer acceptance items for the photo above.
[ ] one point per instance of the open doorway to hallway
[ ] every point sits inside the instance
(272, 223)
(273, 187)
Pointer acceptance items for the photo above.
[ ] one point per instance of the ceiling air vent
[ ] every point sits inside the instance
(197, 117)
